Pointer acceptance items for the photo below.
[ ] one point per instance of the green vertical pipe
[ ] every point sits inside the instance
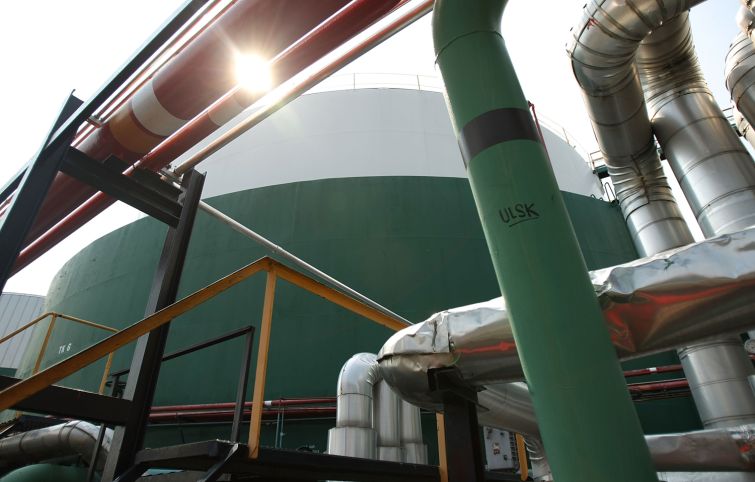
(590, 428)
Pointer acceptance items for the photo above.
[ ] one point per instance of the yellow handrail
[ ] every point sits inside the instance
(25, 388)
(43, 348)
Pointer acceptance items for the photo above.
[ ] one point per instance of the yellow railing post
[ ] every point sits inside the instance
(46, 341)
(442, 460)
(521, 453)
(255, 424)
(103, 382)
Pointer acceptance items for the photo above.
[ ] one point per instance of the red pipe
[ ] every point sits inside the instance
(657, 386)
(284, 402)
(228, 414)
(184, 87)
(336, 30)
(652, 371)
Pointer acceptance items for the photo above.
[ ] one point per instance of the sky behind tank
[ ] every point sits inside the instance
(52, 47)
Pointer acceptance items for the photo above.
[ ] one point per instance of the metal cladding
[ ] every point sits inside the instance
(72, 438)
(371, 421)
(714, 169)
(649, 305)
(198, 75)
(729, 449)
(717, 175)
(740, 79)
(602, 50)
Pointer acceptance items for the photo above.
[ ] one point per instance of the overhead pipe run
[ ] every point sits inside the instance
(580, 396)
(650, 305)
(181, 89)
(100, 201)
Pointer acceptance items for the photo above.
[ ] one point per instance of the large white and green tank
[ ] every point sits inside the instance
(366, 184)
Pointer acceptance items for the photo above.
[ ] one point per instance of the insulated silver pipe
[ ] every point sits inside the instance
(294, 260)
(72, 438)
(717, 176)
(387, 423)
(740, 76)
(715, 171)
(602, 50)
(353, 434)
(412, 444)
(655, 304)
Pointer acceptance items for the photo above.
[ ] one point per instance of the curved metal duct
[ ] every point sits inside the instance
(740, 78)
(744, 127)
(72, 438)
(650, 305)
(353, 434)
(714, 169)
(602, 51)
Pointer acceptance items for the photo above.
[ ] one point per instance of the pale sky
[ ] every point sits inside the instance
(50, 47)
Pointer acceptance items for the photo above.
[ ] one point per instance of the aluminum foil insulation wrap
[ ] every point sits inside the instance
(650, 305)
(728, 449)
(72, 438)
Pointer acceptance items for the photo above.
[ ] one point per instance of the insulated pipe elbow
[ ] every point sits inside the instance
(740, 75)
(602, 50)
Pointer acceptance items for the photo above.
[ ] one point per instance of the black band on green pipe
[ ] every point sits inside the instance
(494, 127)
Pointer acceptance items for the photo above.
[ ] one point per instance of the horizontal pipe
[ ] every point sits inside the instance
(287, 402)
(228, 414)
(650, 305)
(658, 386)
(652, 371)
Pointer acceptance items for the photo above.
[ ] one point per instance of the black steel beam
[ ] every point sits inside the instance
(462, 432)
(238, 410)
(148, 354)
(199, 346)
(30, 192)
(275, 464)
(70, 403)
(124, 188)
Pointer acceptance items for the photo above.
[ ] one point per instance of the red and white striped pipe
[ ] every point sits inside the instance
(337, 30)
(185, 86)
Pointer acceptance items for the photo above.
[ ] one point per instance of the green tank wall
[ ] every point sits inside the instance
(414, 244)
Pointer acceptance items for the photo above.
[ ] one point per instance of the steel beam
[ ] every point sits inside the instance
(145, 365)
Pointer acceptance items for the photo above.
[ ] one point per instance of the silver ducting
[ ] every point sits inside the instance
(387, 423)
(717, 176)
(371, 420)
(602, 51)
(744, 127)
(414, 449)
(353, 434)
(704, 477)
(740, 78)
(64, 440)
(650, 305)
(729, 449)
(714, 169)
